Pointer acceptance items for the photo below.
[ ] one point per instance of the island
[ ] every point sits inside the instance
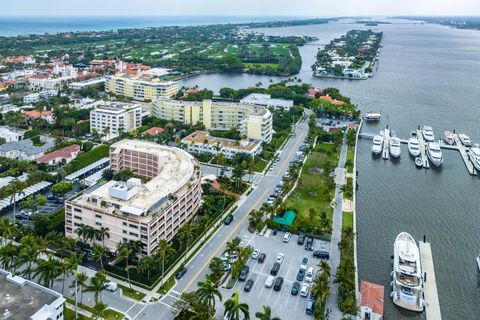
(352, 56)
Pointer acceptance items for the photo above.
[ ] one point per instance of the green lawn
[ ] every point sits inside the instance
(350, 159)
(110, 314)
(259, 164)
(347, 220)
(132, 293)
(261, 65)
(167, 286)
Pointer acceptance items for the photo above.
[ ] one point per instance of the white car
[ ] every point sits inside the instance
(304, 290)
(269, 281)
(287, 237)
(270, 202)
(309, 275)
(111, 286)
(255, 253)
(280, 258)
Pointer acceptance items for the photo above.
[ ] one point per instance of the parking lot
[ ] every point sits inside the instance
(283, 303)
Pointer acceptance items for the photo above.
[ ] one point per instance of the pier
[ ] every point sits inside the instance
(432, 304)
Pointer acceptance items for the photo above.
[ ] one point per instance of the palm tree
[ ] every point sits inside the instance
(233, 308)
(82, 232)
(28, 255)
(69, 265)
(146, 265)
(99, 311)
(99, 254)
(232, 246)
(97, 284)
(7, 255)
(15, 190)
(106, 132)
(162, 252)
(81, 279)
(8, 230)
(186, 233)
(124, 254)
(54, 240)
(47, 271)
(103, 233)
(207, 291)
(325, 267)
(266, 314)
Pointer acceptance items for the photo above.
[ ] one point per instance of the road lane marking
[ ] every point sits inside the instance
(225, 240)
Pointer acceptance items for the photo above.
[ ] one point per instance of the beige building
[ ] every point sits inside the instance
(117, 117)
(251, 121)
(140, 88)
(137, 211)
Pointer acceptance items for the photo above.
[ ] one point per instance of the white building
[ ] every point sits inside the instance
(90, 82)
(117, 117)
(25, 299)
(67, 71)
(266, 100)
(202, 142)
(11, 134)
(25, 150)
(31, 98)
(41, 82)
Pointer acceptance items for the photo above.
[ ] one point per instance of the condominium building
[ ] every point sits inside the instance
(140, 211)
(117, 117)
(202, 142)
(266, 100)
(251, 121)
(140, 88)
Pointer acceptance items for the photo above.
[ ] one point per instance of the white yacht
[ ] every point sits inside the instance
(428, 133)
(377, 145)
(407, 284)
(474, 155)
(465, 139)
(449, 137)
(434, 154)
(413, 145)
(395, 147)
(372, 116)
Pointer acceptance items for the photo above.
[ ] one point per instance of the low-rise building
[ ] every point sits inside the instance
(153, 131)
(31, 98)
(371, 301)
(266, 100)
(83, 84)
(137, 211)
(10, 134)
(117, 117)
(44, 82)
(251, 121)
(25, 150)
(202, 142)
(139, 87)
(25, 299)
(60, 156)
(46, 115)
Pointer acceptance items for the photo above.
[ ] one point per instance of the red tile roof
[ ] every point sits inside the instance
(372, 296)
(37, 114)
(64, 153)
(331, 100)
(313, 91)
(153, 131)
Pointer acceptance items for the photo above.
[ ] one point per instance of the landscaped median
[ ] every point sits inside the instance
(131, 293)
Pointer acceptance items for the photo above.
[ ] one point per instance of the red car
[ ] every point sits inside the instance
(261, 257)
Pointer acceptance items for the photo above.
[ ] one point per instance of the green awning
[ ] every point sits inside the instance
(287, 219)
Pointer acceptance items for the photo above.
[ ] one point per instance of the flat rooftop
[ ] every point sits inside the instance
(266, 100)
(204, 137)
(23, 298)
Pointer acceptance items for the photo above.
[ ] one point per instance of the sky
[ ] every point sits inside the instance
(318, 8)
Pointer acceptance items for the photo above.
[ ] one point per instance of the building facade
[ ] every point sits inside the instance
(252, 122)
(11, 134)
(266, 100)
(117, 117)
(136, 211)
(140, 88)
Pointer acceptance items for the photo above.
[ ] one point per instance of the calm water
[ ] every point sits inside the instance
(427, 75)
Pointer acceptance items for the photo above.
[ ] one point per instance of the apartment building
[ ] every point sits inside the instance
(266, 100)
(117, 117)
(139, 87)
(202, 142)
(251, 121)
(133, 210)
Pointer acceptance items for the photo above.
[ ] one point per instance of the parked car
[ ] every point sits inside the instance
(321, 254)
(300, 274)
(280, 258)
(269, 281)
(227, 266)
(304, 290)
(244, 273)
(180, 273)
(275, 269)
(287, 237)
(228, 219)
(111, 286)
(261, 257)
(255, 253)
(309, 275)
(295, 288)
(301, 239)
(309, 244)
(310, 307)
(248, 285)
(278, 284)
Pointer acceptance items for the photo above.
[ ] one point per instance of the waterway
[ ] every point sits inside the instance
(427, 74)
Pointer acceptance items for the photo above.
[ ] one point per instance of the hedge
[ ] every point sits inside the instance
(84, 159)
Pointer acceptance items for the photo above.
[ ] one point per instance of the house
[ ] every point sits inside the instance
(371, 301)
(63, 156)
(34, 114)
(153, 131)
(11, 134)
(266, 100)
(312, 92)
(331, 100)
(25, 149)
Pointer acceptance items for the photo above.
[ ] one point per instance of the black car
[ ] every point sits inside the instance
(248, 285)
(309, 244)
(301, 239)
(321, 254)
(300, 275)
(228, 219)
(244, 273)
(261, 257)
(51, 197)
(278, 284)
(275, 269)
(180, 273)
(295, 288)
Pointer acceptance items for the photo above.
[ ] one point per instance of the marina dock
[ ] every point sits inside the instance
(432, 304)
(423, 149)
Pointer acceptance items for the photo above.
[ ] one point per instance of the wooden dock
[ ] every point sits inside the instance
(463, 152)
(432, 304)
(423, 149)
(386, 144)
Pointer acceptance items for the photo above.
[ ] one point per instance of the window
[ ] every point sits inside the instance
(78, 217)
(134, 234)
(124, 231)
(98, 216)
(124, 223)
(143, 228)
(77, 210)
(133, 226)
(98, 224)
(143, 236)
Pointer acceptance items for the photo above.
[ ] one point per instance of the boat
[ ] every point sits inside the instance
(478, 262)
(434, 154)
(428, 134)
(419, 162)
(372, 116)
(395, 147)
(449, 137)
(377, 145)
(413, 145)
(474, 155)
(464, 139)
(407, 282)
